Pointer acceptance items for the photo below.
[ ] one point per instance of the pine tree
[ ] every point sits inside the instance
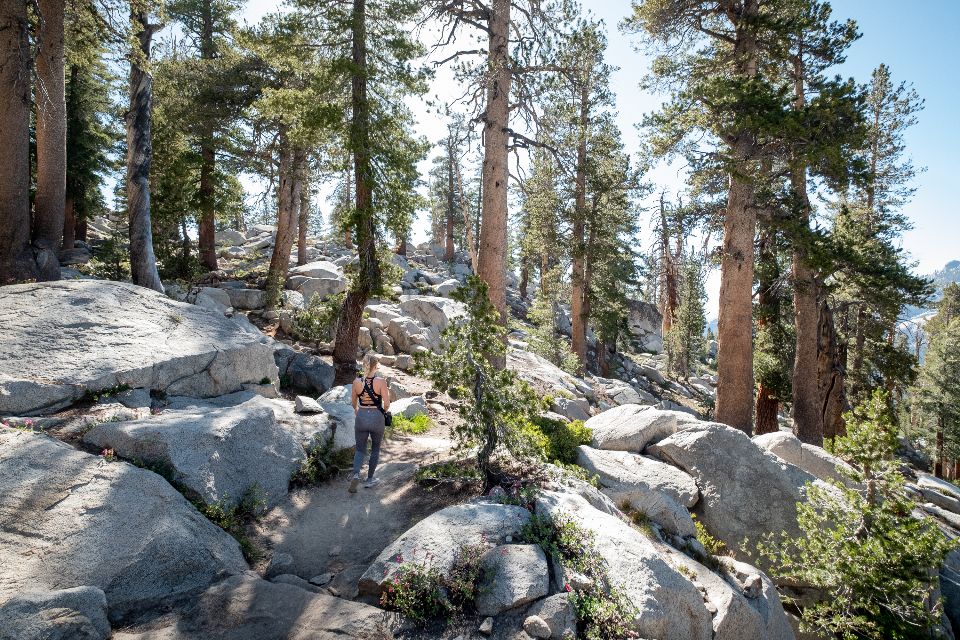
(208, 100)
(685, 343)
(91, 129)
(143, 262)
(864, 549)
(938, 386)
(496, 403)
(718, 58)
(16, 258)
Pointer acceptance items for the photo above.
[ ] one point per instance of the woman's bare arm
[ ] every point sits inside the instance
(354, 396)
(384, 392)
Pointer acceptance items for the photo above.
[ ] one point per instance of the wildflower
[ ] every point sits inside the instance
(566, 587)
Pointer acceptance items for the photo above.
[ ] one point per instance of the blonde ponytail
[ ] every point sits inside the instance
(370, 364)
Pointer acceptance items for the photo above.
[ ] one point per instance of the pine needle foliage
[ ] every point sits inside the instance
(863, 547)
(495, 404)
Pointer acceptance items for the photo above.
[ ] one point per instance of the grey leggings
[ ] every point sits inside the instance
(369, 422)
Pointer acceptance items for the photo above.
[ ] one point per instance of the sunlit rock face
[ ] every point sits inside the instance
(61, 340)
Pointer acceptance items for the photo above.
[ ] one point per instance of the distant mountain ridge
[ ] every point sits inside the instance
(943, 277)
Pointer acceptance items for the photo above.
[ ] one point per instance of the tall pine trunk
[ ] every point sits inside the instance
(735, 324)
(288, 197)
(670, 293)
(303, 222)
(449, 226)
(768, 311)
(807, 414)
(143, 262)
(578, 276)
(207, 231)
(492, 255)
(734, 404)
(367, 279)
(830, 374)
(51, 123)
(16, 257)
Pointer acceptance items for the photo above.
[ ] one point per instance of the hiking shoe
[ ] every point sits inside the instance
(372, 482)
(354, 483)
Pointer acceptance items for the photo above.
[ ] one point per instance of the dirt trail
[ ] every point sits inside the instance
(328, 529)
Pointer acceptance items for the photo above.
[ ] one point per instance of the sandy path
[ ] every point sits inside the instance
(328, 529)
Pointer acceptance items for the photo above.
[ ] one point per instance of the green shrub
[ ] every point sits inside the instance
(466, 577)
(603, 611)
(422, 593)
(317, 322)
(416, 592)
(864, 549)
(556, 439)
(321, 463)
(419, 423)
(448, 471)
(713, 546)
(604, 615)
(235, 517)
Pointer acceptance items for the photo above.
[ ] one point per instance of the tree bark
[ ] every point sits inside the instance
(768, 406)
(470, 238)
(288, 197)
(449, 226)
(16, 257)
(143, 262)
(69, 223)
(938, 462)
(303, 222)
(51, 131)
(807, 414)
(492, 255)
(735, 324)
(671, 298)
(830, 375)
(207, 231)
(368, 277)
(578, 278)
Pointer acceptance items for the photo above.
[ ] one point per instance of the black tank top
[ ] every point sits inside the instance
(364, 395)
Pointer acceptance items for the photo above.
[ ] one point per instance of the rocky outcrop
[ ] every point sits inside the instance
(436, 539)
(658, 490)
(68, 614)
(518, 575)
(219, 452)
(303, 372)
(83, 336)
(811, 458)
(71, 519)
(557, 613)
(668, 605)
(246, 607)
(645, 323)
(632, 427)
(745, 491)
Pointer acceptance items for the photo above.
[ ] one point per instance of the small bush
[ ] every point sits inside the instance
(422, 593)
(466, 576)
(713, 546)
(416, 592)
(604, 615)
(321, 463)
(556, 439)
(317, 322)
(448, 471)
(234, 518)
(419, 423)
(603, 610)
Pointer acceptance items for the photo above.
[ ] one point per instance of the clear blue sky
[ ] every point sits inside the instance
(918, 40)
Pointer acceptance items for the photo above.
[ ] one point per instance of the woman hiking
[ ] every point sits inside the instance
(371, 399)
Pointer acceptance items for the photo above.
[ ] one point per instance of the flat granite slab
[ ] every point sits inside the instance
(61, 340)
